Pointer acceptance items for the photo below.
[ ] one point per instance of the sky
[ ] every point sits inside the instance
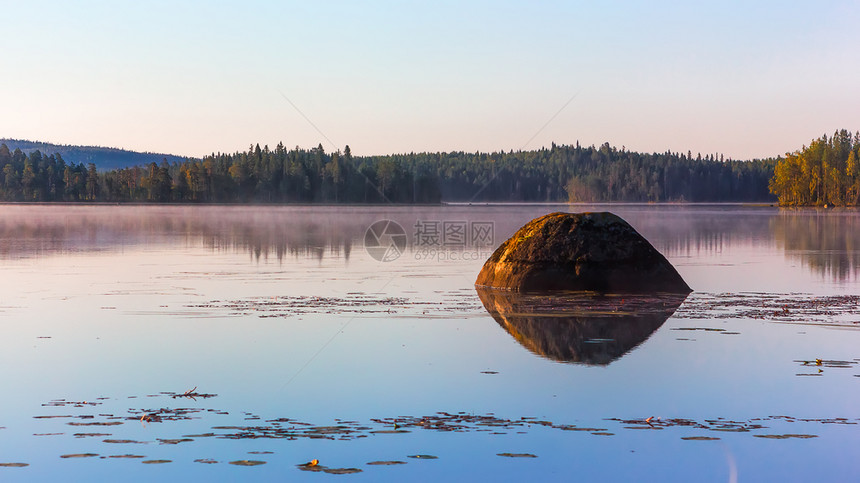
(745, 79)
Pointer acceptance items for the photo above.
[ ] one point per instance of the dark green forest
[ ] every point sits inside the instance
(281, 175)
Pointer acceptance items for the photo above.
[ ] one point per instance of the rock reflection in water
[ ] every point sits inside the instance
(579, 327)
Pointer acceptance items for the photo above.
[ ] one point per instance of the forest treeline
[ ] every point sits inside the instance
(281, 175)
(825, 173)
(103, 157)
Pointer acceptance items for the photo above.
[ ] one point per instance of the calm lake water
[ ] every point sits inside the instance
(159, 343)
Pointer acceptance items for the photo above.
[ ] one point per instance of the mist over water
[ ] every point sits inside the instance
(307, 346)
(824, 241)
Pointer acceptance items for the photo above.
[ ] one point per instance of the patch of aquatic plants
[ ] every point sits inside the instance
(778, 427)
(451, 303)
(794, 308)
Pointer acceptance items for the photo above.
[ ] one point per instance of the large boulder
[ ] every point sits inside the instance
(597, 252)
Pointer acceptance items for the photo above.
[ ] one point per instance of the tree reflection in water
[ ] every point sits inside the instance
(826, 241)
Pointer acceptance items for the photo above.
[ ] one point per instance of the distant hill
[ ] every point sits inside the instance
(104, 158)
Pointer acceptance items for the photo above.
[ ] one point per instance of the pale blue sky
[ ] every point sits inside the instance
(747, 79)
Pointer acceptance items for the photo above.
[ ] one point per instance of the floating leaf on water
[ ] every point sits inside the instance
(828, 363)
(14, 465)
(705, 329)
(699, 438)
(247, 463)
(156, 462)
(341, 471)
(79, 455)
(131, 456)
(261, 452)
(603, 434)
(86, 435)
(423, 456)
(517, 455)
(315, 468)
(174, 441)
(206, 461)
(489, 372)
(95, 423)
(387, 463)
(786, 436)
(204, 435)
(122, 441)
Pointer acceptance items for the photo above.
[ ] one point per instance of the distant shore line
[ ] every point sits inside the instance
(430, 205)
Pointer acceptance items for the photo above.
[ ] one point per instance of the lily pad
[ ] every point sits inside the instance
(174, 441)
(517, 455)
(247, 463)
(318, 468)
(341, 471)
(785, 436)
(96, 423)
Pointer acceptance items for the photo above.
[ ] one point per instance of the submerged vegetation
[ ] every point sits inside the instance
(825, 173)
(263, 175)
